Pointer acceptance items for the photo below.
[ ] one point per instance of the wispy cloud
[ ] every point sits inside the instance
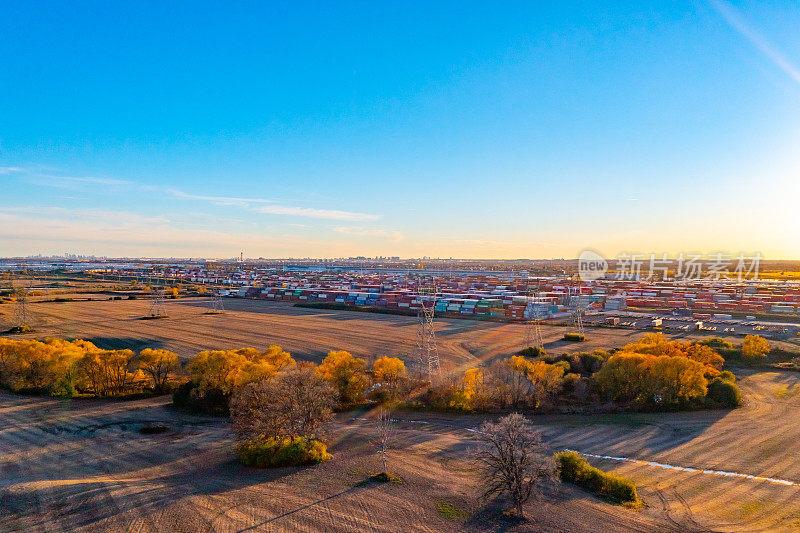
(219, 200)
(738, 23)
(257, 205)
(310, 212)
(25, 230)
(266, 206)
(9, 170)
(89, 180)
(395, 236)
(91, 215)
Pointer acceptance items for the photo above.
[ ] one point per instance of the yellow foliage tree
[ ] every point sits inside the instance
(671, 380)
(262, 365)
(108, 371)
(158, 365)
(472, 386)
(389, 370)
(754, 346)
(50, 365)
(657, 379)
(656, 344)
(346, 373)
(216, 369)
(228, 370)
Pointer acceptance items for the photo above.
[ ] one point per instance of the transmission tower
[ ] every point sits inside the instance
(157, 309)
(21, 315)
(427, 353)
(533, 330)
(577, 314)
(216, 303)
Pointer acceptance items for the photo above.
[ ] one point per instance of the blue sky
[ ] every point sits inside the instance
(461, 129)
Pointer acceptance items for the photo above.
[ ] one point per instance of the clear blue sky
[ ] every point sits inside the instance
(464, 129)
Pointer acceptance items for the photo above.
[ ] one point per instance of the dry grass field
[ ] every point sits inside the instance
(82, 464)
(306, 333)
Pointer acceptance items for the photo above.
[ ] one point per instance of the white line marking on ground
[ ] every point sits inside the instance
(776, 481)
(687, 469)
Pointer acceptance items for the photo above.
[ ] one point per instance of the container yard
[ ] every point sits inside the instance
(483, 292)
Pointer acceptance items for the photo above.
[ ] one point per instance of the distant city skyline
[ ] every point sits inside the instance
(472, 130)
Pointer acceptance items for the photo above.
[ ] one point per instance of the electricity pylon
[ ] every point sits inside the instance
(533, 330)
(427, 352)
(577, 315)
(157, 309)
(216, 303)
(21, 315)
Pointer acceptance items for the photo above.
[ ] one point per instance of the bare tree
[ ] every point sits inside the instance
(386, 429)
(514, 459)
(293, 403)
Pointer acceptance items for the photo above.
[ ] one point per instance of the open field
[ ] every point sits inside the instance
(82, 464)
(305, 333)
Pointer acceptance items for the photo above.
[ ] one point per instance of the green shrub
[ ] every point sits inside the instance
(727, 375)
(724, 392)
(717, 342)
(574, 337)
(533, 352)
(386, 477)
(564, 365)
(570, 465)
(266, 453)
(450, 511)
(574, 468)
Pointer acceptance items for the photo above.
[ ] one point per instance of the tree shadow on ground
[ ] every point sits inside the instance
(130, 343)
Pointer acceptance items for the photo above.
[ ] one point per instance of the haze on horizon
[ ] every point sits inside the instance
(483, 131)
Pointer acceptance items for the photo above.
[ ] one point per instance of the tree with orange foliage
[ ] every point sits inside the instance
(346, 373)
(652, 379)
(159, 365)
(389, 370)
(470, 392)
(754, 347)
(656, 344)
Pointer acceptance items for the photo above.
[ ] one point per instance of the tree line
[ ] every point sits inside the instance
(66, 368)
(651, 373)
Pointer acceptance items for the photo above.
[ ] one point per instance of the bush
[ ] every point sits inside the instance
(287, 451)
(724, 392)
(564, 365)
(533, 352)
(574, 468)
(386, 477)
(450, 511)
(574, 337)
(717, 342)
(727, 375)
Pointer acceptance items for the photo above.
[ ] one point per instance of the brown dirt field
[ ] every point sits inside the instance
(83, 465)
(305, 333)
